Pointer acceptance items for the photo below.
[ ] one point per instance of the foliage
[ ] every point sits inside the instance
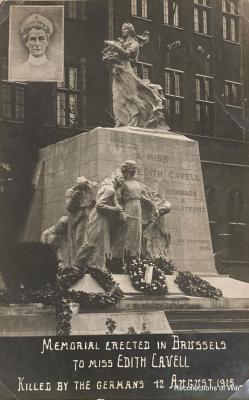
(131, 331)
(111, 326)
(112, 294)
(164, 265)
(63, 313)
(144, 331)
(35, 281)
(59, 295)
(68, 276)
(193, 285)
(137, 269)
(46, 295)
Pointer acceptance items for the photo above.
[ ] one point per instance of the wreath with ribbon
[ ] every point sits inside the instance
(137, 268)
(60, 296)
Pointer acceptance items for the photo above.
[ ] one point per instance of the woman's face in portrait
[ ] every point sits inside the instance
(37, 42)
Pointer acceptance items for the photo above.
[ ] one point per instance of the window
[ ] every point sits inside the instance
(12, 101)
(133, 7)
(140, 8)
(204, 89)
(233, 93)
(229, 7)
(4, 68)
(143, 70)
(19, 103)
(212, 215)
(76, 9)
(230, 21)
(6, 101)
(237, 224)
(144, 9)
(202, 2)
(202, 16)
(174, 98)
(68, 98)
(171, 12)
(204, 109)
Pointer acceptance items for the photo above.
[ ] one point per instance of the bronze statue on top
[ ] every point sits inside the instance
(136, 102)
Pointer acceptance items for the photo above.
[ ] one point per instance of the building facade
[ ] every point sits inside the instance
(198, 52)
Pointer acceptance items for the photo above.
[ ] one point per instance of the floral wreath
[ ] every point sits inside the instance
(61, 297)
(136, 268)
(193, 285)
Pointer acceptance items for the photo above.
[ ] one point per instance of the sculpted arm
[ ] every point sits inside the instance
(159, 207)
(131, 51)
(103, 203)
(72, 196)
(145, 199)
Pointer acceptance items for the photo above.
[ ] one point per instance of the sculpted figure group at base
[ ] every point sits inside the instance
(124, 216)
(136, 102)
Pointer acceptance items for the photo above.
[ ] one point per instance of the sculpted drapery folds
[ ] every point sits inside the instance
(140, 203)
(79, 203)
(117, 217)
(56, 238)
(136, 102)
(107, 212)
(156, 239)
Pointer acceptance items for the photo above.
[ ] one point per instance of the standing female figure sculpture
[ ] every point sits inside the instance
(136, 102)
(132, 196)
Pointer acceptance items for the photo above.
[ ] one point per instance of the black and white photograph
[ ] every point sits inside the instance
(36, 46)
(124, 199)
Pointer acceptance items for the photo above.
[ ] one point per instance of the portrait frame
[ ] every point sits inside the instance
(20, 69)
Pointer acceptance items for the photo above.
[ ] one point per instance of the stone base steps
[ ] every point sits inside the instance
(27, 320)
(93, 323)
(40, 320)
(174, 302)
(208, 321)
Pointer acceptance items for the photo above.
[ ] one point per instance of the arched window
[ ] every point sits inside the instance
(236, 214)
(212, 215)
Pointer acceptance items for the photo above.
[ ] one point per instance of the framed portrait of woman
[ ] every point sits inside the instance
(36, 43)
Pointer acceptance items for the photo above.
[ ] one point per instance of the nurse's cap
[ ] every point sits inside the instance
(37, 21)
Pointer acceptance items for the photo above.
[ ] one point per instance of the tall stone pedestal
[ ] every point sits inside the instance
(170, 163)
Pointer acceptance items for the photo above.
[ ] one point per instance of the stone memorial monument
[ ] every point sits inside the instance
(166, 163)
(139, 191)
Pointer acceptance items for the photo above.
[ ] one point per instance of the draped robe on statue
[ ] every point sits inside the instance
(128, 237)
(136, 102)
(98, 229)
